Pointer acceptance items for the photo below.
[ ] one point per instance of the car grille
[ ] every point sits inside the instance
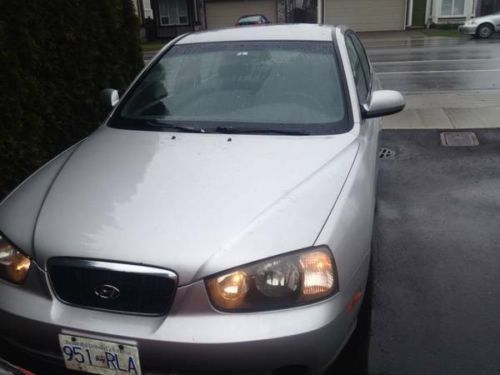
(114, 287)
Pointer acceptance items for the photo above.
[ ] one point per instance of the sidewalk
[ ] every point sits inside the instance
(368, 36)
(448, 110)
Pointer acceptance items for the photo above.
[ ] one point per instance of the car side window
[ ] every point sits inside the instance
(363, 57)
(357, 70)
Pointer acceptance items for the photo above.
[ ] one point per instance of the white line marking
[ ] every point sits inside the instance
(440, 71)
(402, 62)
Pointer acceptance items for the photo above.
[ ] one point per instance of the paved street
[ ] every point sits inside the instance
(448, 82)
(419, 63)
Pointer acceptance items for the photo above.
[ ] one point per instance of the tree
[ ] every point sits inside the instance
(55, 57)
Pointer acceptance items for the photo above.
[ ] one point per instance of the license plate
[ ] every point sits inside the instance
(98, 356)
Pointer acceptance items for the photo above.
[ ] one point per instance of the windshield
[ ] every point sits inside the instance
(241, 85)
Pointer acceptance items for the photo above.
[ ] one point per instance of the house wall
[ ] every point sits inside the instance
(437, 17)
(362, 15)
(148, 11)
(225, 13)
(367, 15)
(170, 32)
(281, 11)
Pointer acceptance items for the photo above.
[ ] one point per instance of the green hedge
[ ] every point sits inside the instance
(55, 57)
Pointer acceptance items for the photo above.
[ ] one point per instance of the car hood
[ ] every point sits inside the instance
(478, 20)
(192, 203)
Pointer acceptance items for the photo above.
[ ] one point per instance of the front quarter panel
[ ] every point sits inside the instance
(348, 230)
(19, 211)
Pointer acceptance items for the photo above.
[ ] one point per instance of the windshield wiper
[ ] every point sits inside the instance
(231, 130)
(167, 125)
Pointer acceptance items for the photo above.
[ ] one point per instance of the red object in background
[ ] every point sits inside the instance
(8, 369)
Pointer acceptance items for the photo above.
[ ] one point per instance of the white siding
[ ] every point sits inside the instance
(226, 13)
(148, 12)
(366, 15)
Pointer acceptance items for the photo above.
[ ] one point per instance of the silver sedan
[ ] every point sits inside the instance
(220, 220)
(482, 27)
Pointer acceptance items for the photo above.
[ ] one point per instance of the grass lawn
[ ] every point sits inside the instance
(441, 32)
(152, 46)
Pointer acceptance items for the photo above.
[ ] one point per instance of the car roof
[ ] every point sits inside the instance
(300, 32)
(252, 15)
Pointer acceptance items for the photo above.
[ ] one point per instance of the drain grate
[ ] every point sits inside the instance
(386, 153)
(459, 139)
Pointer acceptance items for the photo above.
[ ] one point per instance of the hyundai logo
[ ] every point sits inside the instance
(106, 291)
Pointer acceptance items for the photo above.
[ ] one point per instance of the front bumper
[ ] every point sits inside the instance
(468, 29)
(198, 341)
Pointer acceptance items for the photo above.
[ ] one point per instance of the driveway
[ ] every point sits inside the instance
(436, 260)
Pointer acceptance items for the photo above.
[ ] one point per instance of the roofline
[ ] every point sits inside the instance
(298, 32)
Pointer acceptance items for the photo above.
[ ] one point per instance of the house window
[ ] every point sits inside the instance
(173, 12)
(453, 7)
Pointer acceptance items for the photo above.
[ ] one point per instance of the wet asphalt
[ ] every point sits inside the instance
(417, 64)
(436, 259)
(432, 304)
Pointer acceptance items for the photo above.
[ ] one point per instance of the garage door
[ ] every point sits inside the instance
(366, 15)
(226, 13)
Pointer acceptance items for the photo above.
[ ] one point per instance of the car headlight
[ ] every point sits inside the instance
(288, 280)
(14, 266)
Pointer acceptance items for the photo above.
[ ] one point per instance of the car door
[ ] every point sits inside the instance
(366, 82)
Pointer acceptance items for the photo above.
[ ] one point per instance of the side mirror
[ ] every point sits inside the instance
(109, 97)
(383, 103)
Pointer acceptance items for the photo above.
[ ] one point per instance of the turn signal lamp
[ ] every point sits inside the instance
(14, 266)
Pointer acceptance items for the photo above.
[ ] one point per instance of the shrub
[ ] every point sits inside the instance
(445, 26)
(55, 57)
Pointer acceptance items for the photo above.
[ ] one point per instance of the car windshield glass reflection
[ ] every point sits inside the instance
(259, 86)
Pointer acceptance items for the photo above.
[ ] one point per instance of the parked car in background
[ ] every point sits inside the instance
(482, 27)
(219, 221)
(252, 20)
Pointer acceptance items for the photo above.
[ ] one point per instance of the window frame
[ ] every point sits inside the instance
(443, 15)
(166, 6)
(367, 70)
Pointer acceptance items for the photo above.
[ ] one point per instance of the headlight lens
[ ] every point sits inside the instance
(14, 266)
(289, 280)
